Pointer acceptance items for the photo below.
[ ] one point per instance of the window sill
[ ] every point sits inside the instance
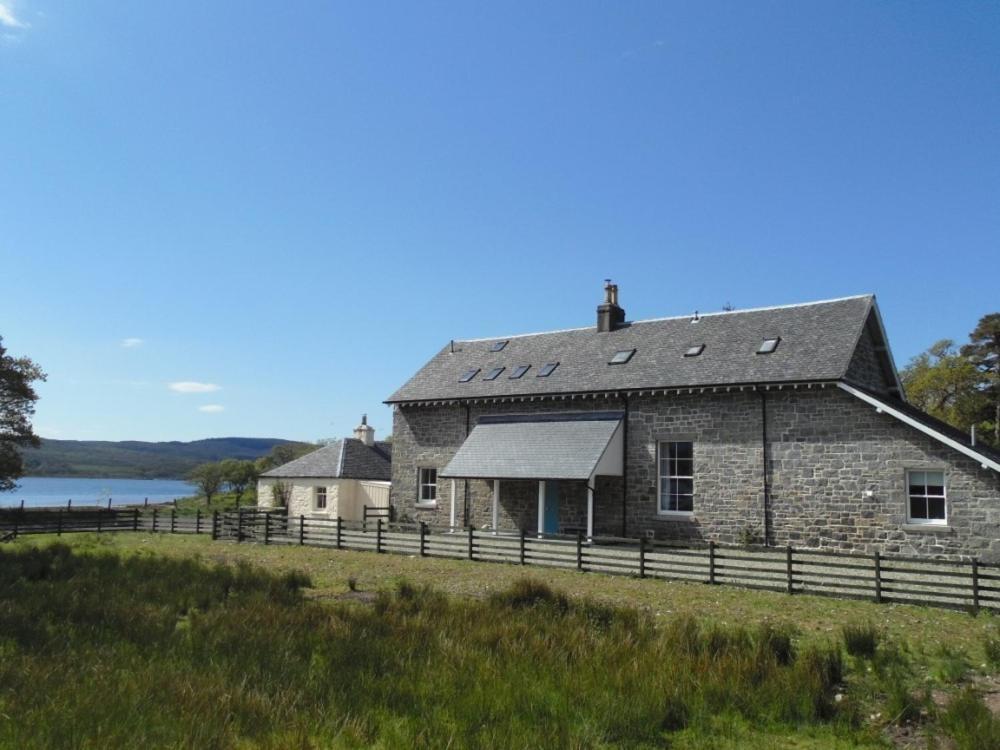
(426, 506)
(675, 515)
(929, 528)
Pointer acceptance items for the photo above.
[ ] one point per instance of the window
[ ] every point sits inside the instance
(768, 345)
(519, 371)
(676, 477)
(493, 374)
(694, 351)
(319, 498)
(428, 486)
(548, 369)
(498, 346)
(926, 497)
(468, 375)
(621, 357)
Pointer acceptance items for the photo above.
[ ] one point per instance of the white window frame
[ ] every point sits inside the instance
(423, 502)
(317, 491)
(909, 498)
(662, 451)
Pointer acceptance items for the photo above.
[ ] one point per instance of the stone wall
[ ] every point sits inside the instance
(826, 451)
(340, 497)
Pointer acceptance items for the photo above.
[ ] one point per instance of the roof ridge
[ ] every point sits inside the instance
(674, 317)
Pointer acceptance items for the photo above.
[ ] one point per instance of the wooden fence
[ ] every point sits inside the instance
(962, 585)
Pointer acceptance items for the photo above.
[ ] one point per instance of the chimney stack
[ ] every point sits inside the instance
(609, 315)
(364, 432)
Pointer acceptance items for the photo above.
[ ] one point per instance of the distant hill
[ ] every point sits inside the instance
(133, 459)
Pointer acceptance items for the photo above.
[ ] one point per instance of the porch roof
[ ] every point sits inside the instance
(540, 446)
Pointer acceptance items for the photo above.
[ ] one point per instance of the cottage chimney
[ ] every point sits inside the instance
(364, 432)
(609, 315)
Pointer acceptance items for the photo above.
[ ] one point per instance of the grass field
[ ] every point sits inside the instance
(170, 641)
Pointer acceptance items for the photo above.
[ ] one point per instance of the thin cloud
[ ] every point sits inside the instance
(191, 386)
(131, 343)
(8, 19)
(212, 408)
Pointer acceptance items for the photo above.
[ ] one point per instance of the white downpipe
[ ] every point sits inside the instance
(496, 504)
(452, 516)
(590, 508)
(541, 507)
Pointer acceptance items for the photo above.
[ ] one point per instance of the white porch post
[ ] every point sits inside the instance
(496, 504)
(452, 517)
(590, 507)
(541, 507)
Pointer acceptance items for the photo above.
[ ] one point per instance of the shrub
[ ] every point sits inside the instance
(861, 639)
(991, 646)
(969, 723)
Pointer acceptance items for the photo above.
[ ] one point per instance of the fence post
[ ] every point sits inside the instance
(521, 553)
(788, 565)
(642, 557)
(155, 512)
(423, 539)
(215, 525)
(975, 584)
(239, 526)
(59, 522)
(173, 521)
(579, 550)
(470, 542)
(135, 519)
(711, 563)
(338, 532)
(378, 535)
(302, 529)
(17, 522)
(364, 518)
(878, 577)
(267, 528)
(197, 521)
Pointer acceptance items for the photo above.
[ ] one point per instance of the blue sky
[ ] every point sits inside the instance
(300, 203)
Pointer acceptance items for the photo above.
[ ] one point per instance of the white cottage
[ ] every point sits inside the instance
(340, 479)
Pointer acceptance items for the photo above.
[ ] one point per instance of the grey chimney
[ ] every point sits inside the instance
(364, 432)
(609, 315)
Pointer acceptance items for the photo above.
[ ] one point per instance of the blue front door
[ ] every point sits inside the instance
(551, 507)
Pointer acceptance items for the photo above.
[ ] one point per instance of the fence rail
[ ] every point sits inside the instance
(961, 585)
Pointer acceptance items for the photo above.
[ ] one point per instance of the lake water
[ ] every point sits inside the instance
(43, 491)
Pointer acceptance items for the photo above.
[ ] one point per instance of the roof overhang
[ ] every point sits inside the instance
(578, 445)
(887, 408)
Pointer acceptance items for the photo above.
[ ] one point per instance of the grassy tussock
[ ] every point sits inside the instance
(100, 651)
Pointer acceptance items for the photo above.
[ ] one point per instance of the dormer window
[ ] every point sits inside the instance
(767, 346)
(621, 357)
(519, 371)
(498, 345)
(469, 375)
(493, 374)
(548, 369)
(694, 351)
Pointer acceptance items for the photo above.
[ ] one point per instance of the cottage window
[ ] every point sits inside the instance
(428, 486)
(926, 497)
(676, 475)
(319, 498)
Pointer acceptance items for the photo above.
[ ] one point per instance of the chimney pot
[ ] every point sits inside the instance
(609, 315)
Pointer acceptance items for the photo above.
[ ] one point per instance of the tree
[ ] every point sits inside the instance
(983, 351)
(281, 493)
(239, 475)
(17, 405)
(283, 453)
(209, 478)
(943, 383)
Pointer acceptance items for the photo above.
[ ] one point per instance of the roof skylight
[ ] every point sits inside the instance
(769, 345)
(498, 345)
(548, 369)
(621, 357)
(469, 375)
(519, 371)
(694, 351)
(493, 374)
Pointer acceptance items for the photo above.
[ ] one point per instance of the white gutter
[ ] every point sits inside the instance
(882, 406)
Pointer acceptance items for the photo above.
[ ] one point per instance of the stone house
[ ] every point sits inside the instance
(781, 425)
(339, 479)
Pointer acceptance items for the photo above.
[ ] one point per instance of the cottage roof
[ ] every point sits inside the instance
(349, 458)
(815, 342)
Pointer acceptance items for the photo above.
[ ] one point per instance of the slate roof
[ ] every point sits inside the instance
(554, 446)
(349, 458)
(817, 342)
